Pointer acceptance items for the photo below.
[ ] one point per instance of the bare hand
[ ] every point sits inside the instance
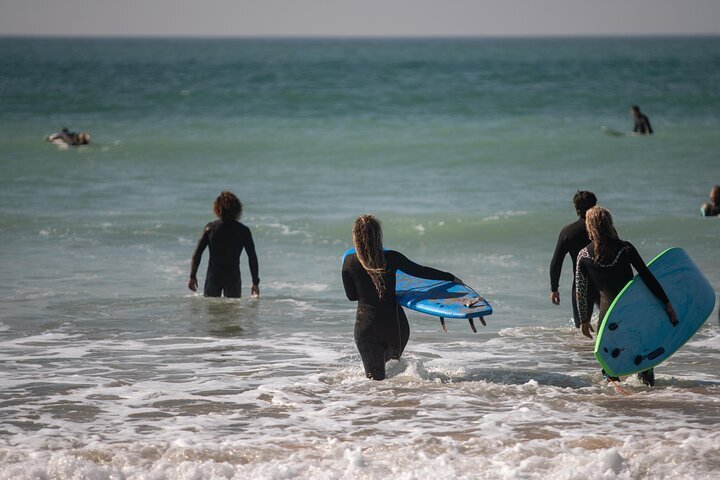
(555, 297)
(586, 329)
(193, 284)
(255, 291)
(671, 314)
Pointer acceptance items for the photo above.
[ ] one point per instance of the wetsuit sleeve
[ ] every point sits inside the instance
(557, 262)
(420, 271)
(648, 126)
(647, 275)
(197, 254)
(252, 258)
(581, 286)
(349, 283)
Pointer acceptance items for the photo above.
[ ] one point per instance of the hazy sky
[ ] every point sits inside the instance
(358, 17)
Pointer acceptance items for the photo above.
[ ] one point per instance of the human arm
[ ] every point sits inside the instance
(197, 256)
(581, 292)
(421, 271)
(556, 267)
(348, 281)
(651, 282)
(253, 263)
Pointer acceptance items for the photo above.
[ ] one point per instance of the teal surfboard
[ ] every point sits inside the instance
(636, 333)
(439, 298)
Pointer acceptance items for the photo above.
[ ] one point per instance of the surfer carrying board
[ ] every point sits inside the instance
(607, 262)
(572, 239)
(381, 327)
(227, 238)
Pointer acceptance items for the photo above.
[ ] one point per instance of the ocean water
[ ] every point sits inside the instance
(469, 151)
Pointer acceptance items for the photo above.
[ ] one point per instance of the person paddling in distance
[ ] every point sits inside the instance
(712, 208)
(607, 262)
(227, 238)
(381, 327)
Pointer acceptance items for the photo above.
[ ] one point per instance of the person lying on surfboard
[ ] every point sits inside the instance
(227, 238)
(381, 327)
(608, 262)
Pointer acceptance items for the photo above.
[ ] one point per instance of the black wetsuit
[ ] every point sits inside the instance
(642, 125)
(381, 327)
(572, 239)
(226, 239)
(611, 276)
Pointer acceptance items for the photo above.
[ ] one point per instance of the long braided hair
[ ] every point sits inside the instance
(600, 229)
(367, 238)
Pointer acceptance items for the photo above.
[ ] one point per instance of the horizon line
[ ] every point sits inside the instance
(359, 37)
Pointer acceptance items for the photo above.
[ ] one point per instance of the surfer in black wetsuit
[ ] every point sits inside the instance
(642, 122)
(607, 262)
(381, 327)
(572, 239)
(712, 208)
(227, 238)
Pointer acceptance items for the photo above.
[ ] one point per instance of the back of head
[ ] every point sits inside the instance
(367, 238)
(635, 108)
(600, 229)
(227, 206)
(584, 200)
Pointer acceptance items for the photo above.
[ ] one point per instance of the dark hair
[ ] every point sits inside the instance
(227, 206)
(715, 195)
(583, 201)
(635, 108)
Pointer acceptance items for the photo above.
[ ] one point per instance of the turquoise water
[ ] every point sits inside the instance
(468, 150)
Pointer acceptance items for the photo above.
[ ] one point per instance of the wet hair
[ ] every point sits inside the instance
(600, 229)
(584, 200)
(715, 195)
(367, 238)
(635, 108)
(227, 206)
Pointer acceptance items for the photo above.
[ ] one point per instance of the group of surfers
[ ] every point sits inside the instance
(602, 265)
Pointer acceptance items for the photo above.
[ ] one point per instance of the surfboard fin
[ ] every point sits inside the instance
(442, 322)
(472, 325)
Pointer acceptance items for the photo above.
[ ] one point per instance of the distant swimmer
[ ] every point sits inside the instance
(642, 122)
(227, 238)
(712, 208)
(607, 263)
(572, 239)
(381, 327)
(69, 138)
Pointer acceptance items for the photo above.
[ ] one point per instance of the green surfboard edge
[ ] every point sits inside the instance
(612, 305)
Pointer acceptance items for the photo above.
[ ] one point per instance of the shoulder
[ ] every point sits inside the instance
(585, 253)
(241, 226)
(393, 257)
(624, 245)
(349, 261)
(208, 228)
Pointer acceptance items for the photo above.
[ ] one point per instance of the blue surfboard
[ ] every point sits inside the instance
(636, 333)
(439, 298)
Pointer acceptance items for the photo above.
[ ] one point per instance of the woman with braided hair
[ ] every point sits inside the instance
(381, 327)
(607, 262)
